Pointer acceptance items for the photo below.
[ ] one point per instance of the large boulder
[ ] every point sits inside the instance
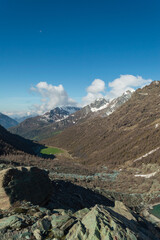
(29, 184)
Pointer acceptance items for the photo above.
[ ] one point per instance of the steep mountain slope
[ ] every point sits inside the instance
(58, 119)
(6, 121)
(10, 143)
(130, 134)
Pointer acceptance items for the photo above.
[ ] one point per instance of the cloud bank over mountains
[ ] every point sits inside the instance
(52, 96)
(56, 96)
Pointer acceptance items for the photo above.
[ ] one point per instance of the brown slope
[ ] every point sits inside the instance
(127, 134)
(28, 128)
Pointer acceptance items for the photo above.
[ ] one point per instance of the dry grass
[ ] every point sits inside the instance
(125, 135)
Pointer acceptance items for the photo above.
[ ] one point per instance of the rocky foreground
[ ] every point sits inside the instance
(78, 213)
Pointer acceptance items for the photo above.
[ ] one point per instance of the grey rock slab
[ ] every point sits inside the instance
(59, 220)
(11, 222)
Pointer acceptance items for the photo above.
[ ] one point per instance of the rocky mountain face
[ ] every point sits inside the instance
(97, 105)
(117, 102)
(58, 114)
(6, 121)
(58, 119)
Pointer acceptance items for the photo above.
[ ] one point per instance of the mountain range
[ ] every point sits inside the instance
(55, 121)
(6, 121)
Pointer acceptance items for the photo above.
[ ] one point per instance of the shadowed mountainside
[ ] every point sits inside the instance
(11, 143)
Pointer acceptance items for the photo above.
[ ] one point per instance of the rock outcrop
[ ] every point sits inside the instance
(29, 184)
(97, 223)
(104, 223)
(24, 189)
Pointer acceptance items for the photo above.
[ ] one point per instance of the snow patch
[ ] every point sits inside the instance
(146, 175)
(100, 108)
(147, 154)
(156, 82)
(61, 119)
(144, 94)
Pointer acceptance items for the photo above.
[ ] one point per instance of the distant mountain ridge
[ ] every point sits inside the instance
(6, 121)
(58, 119)
(30, 127)
(58, 114)
(20, 119)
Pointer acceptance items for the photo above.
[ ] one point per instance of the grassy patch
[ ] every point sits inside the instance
(156, 210)
(50, 150)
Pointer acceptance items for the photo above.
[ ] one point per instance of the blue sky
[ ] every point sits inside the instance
(72, 43)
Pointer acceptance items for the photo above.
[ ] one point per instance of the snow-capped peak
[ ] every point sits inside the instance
(58, 114)
(99, 104)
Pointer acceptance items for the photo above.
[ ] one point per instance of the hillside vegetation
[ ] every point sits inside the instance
(130, 132)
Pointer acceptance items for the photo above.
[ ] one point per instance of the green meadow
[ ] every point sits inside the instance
(51, 150)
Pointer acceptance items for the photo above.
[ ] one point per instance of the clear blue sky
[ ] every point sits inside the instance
(73, 42)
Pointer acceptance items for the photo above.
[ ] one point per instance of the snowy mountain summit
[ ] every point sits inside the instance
(58, 114)
(106, 107)
(117, 102)
(99, 104)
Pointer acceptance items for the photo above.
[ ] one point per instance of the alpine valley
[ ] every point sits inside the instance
(88, 173)
(55, 121)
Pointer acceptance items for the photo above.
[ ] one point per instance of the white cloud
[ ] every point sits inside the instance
(94, 91)
(126, 82)
(96, 86)
(51, 97)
